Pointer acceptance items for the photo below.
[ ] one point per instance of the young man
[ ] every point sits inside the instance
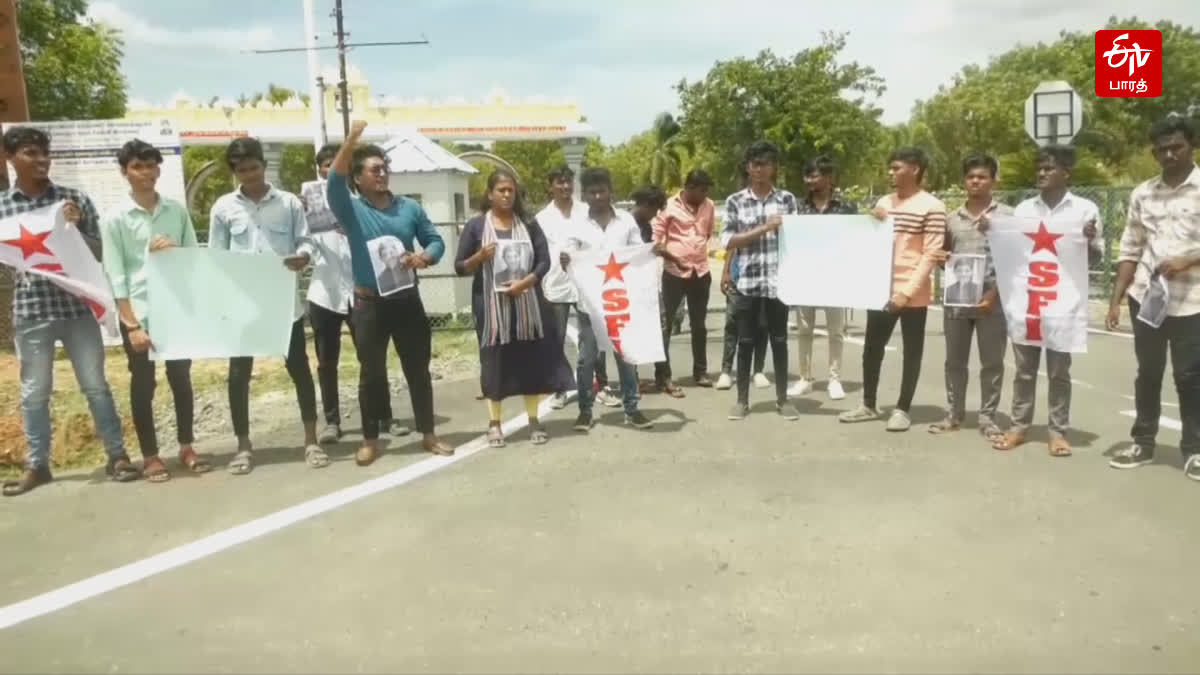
(729, 345)
(556, 221)
(750, 233)
(258, 219)
(820, 177)
(399, 318)
(145, 224)
(330, 299)
(43, 313)
(985, 321)
(684, 229)
(1054, 203)
(648, 201)
(604, 228)
(1162, 238)
(919, 221)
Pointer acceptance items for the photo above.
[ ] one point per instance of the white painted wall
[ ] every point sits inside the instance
(441, 290)
(437, 192)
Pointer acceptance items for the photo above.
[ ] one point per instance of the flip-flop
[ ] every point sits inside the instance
(242, 463)
(194, 462)
(538, 435)
(122, 470)
(1008, 441)
(1059, 447)
(943, 427)
(155, 470)
(315, 457)
(495, 437)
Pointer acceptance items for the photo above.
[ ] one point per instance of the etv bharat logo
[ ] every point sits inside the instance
(1129, 63)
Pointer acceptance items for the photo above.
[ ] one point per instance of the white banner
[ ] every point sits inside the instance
(835, 261)
(1042, 276)
(41, 242)
(619, 291)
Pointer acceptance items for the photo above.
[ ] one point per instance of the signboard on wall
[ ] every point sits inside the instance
(83, 155)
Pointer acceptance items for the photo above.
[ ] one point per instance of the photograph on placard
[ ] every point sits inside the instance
(964, 280)
(387, 259)
(513, 261)
(1153, 311)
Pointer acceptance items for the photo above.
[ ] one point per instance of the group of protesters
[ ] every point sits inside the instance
(522, 322)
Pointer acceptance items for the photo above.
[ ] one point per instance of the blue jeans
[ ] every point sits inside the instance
(35, 343)
(589, 354)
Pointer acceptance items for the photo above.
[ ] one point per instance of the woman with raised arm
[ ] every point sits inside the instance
(518, 351)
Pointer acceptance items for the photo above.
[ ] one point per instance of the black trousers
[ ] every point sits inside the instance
(143, 382)
(400, 320)
(241, 368)
(730, 346)
(1180, 335)
(880, 325)
(674, 289)
(327, 340)
(747, 310)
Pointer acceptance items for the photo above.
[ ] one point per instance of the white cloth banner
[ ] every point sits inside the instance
(41, 242)
(619, 291)
(835, 261)
(1042, 276)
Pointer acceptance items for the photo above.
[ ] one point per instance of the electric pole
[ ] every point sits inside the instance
(342, 47)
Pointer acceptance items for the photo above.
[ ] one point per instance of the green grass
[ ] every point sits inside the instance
(75, 443)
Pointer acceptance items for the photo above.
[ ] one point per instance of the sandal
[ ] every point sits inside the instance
(242, 463)
(538, 435)
(1059, 447)
(155, 470)
(122, 470)
(315, 457)
(194, 462)
(671, 389)
(991, 432)
(943, 427)
(29, 480)
(438, 447)
(495, 437)
(1008, 441)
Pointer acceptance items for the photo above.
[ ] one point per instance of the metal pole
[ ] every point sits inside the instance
(316, 100)
(324, 134)
(341, 50)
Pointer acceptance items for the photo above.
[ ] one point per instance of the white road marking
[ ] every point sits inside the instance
(72, 594)
(1163, 420)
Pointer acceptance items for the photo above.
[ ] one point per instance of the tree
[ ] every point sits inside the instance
(807, 104)
(72, 65)
(666, 164)
(983, 108)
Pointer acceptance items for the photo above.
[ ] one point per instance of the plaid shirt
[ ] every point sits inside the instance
(1164, 222)
(963, 236)
(36, 298)
(835, 206)
(757, 262)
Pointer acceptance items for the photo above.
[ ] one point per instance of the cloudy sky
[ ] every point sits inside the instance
(619, 59)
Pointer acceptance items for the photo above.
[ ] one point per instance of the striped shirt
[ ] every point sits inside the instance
(1164, 222)
(759, 260)
(919, 225)
(36, 298)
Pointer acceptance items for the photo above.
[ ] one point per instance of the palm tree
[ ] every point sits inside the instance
(665, 162)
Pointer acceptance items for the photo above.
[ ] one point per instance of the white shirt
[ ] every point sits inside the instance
(587, 235)
(556, 285)
(1072, 211)
(332, 283)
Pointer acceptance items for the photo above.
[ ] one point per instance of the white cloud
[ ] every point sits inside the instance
(134, 29)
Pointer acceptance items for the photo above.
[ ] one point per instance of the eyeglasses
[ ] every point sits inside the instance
(377, 170)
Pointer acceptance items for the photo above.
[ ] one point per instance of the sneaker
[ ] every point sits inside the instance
(836, 393)
(638, 420)
(739, 411)
(724, 382)
(604, 397)
(800, 387)
(1131, 457)
(558, 401)
(788, 411)
(394, 428)
(1191, 468)
(860, 414)
(584, 422)
(761, 381)
(332, 433)
(899, 421)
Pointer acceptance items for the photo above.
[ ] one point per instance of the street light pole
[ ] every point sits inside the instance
(342, 84)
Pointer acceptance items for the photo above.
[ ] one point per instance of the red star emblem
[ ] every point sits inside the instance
(612, 269)
(30, 244)
(1043, 239)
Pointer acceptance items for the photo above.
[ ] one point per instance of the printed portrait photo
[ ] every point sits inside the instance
(964, 280)
(387, 259)
(513, 262)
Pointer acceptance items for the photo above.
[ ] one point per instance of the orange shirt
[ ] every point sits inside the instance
(686, 232)
(919, 226)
